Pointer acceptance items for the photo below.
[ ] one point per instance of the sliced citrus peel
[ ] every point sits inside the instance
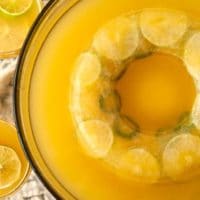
(118, 39)
(10, 167)
(141, 164)
(96, 137)
(15, 7)
(181, 156)
(163, 27)
(88, 68)
(191, 55)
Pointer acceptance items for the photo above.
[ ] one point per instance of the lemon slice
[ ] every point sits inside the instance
(10, 167)
(191, 55)
(181, 156)
(196, 112)
(118, 39)
(15, 7)
(88, 68)
(141, 164)
(96, 137)
(163, 27)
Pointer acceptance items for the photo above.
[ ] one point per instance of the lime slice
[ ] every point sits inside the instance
(191, 55)
(15, 7)
(196, 112)
(163, 27)
(10, 167)
(118, 39)
(85, 101)
(96, 137)
(141, 164)
(88, 69)
(181, 156)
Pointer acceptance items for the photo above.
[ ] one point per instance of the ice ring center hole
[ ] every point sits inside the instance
(155, 91)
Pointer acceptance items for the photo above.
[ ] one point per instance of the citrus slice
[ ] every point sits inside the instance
(163, 27)
(118, 39)
(141, 164)
(96, 137)
(85, 101)
(181, 156)
(10, 167)
(88, 69)
(191, 55)
(196, 112)
(15, 7)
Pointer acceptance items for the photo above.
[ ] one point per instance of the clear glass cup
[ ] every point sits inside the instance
(10, 139)
(15, 28)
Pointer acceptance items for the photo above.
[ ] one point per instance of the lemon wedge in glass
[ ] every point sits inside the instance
(15, 7)
(10, 167)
